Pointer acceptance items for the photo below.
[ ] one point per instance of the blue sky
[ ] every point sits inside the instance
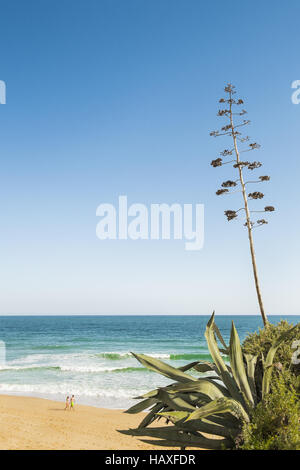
(113, 97)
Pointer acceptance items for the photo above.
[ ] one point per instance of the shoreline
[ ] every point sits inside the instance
(30, 423)
(61, 399)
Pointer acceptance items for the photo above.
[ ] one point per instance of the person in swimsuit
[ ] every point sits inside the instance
(67, 407)
(72, 402)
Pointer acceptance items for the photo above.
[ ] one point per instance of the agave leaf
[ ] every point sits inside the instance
(214, 378)
(205, 366)
(151, 394)
(175, 403)
(208, 427)
(221, 405)
(188, 366)
(207, 444)
(204, 425)
(237, 366)
(162, 432)
(220, 364)
(206, 387)
(179, 438)
(174, 416)
(269, 360)
(152, 415)
(251, 361)
(162, 368)
(218, 333)
(190, 398)
(226, 419)
(224, 351)
(194, 399)
(141, 406)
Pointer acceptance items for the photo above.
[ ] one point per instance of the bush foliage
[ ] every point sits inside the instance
(274, 422)
(260, 343)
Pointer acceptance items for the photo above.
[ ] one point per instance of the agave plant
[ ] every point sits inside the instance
(206, 412)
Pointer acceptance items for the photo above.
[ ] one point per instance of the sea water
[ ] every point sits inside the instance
(90, 356)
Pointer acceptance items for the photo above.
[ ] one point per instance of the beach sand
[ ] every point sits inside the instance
(36, 423)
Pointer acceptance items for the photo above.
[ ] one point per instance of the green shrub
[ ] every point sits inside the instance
(274, 422)
(260, 343)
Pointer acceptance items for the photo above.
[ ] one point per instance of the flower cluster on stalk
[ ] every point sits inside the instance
(230, 111)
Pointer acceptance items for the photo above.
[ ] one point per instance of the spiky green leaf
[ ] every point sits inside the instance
(174, 402)
(162, 368)
(204, 425)
(141, 406)
(218, 333)
(269, 360)
(204, 386)
(179, 438)
(251, 361)
(205, 366)
(222, 369)
(221, 405)
(237, 366)
(188, 366)
(152, 415)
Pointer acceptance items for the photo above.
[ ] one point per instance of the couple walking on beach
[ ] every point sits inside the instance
(70, 403)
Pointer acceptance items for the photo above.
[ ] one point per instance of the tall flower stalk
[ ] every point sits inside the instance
(230, 110)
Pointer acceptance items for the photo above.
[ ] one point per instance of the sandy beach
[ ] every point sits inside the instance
(35, 424)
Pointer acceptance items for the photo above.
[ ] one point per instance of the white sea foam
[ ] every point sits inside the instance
(159, 355)
(124, 355)
(89, 369)
(69, 368)
(8, 367)
(86, 362)
(64, 388)
(45, 358)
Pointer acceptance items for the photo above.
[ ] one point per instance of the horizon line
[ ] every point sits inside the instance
(141, 314)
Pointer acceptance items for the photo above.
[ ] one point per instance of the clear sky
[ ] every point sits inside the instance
(111, 97)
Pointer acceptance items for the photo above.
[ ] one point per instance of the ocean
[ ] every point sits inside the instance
(89, 356)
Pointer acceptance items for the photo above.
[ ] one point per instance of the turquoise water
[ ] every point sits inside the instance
(89, 356)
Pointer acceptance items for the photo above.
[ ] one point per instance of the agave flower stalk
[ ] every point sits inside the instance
(231, 130)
